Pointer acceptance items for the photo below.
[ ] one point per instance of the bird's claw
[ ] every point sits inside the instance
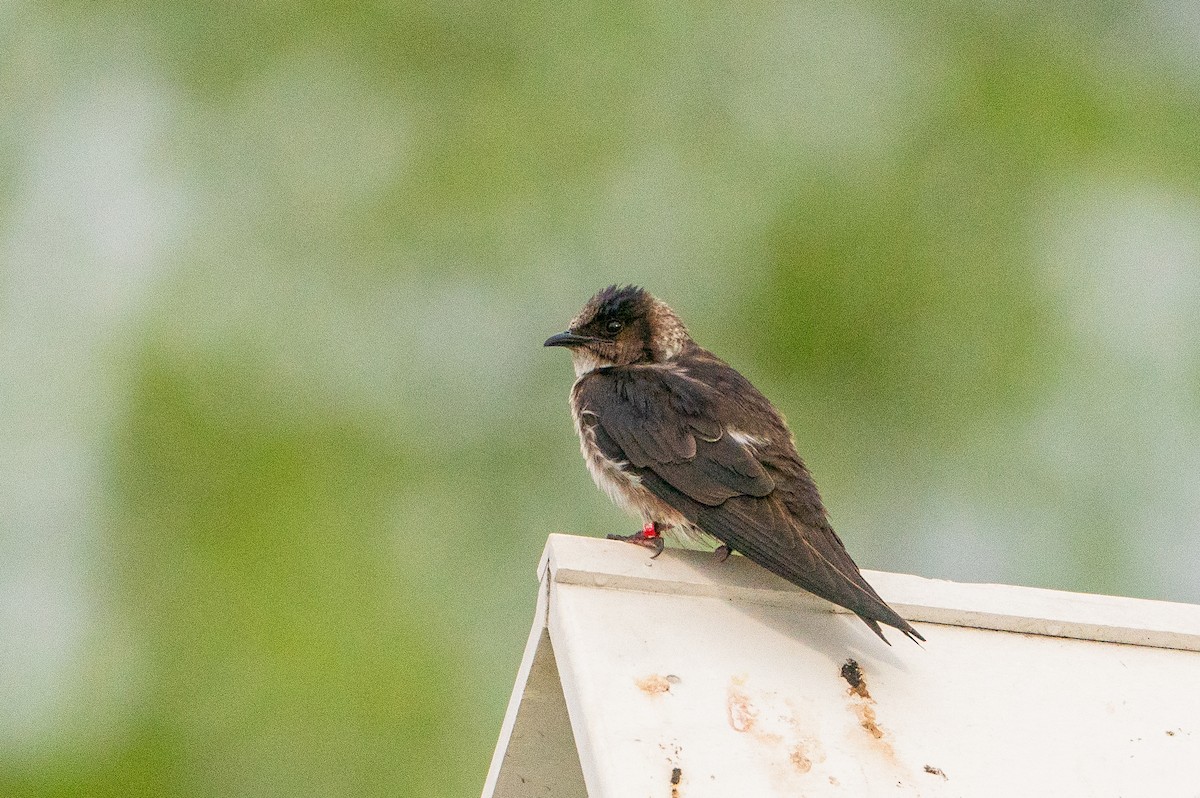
(649, 536)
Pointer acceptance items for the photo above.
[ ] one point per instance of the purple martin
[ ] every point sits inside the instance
(675, 435)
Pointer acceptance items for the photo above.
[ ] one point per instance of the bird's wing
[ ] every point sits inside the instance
(664, 422)
(667, 427)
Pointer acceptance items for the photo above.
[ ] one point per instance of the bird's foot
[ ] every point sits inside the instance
(721, 553)
(649, 536)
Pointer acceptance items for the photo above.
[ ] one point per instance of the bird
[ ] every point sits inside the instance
(677, 436)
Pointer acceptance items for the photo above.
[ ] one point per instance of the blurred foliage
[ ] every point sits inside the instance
(281, 446)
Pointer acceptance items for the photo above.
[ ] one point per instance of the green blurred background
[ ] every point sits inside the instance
(280, 444)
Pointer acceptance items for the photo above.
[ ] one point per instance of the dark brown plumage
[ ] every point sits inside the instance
(674, 434)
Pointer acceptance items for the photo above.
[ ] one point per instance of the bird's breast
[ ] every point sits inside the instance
(611, 476)
(616, 478)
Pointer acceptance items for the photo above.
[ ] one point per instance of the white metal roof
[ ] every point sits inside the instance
(682, 677)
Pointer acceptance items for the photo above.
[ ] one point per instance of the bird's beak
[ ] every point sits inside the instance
(567, 339)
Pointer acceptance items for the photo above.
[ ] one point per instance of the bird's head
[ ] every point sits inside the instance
(620, 326)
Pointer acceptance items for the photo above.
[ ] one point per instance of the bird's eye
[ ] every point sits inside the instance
(614, 326)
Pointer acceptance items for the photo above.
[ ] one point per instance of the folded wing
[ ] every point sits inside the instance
(757, 499)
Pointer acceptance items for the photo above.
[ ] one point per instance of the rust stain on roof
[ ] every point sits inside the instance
(853, 675)
(800, 760)
(866, 719)
(742, 713)
(864, 705)
(654, 684)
